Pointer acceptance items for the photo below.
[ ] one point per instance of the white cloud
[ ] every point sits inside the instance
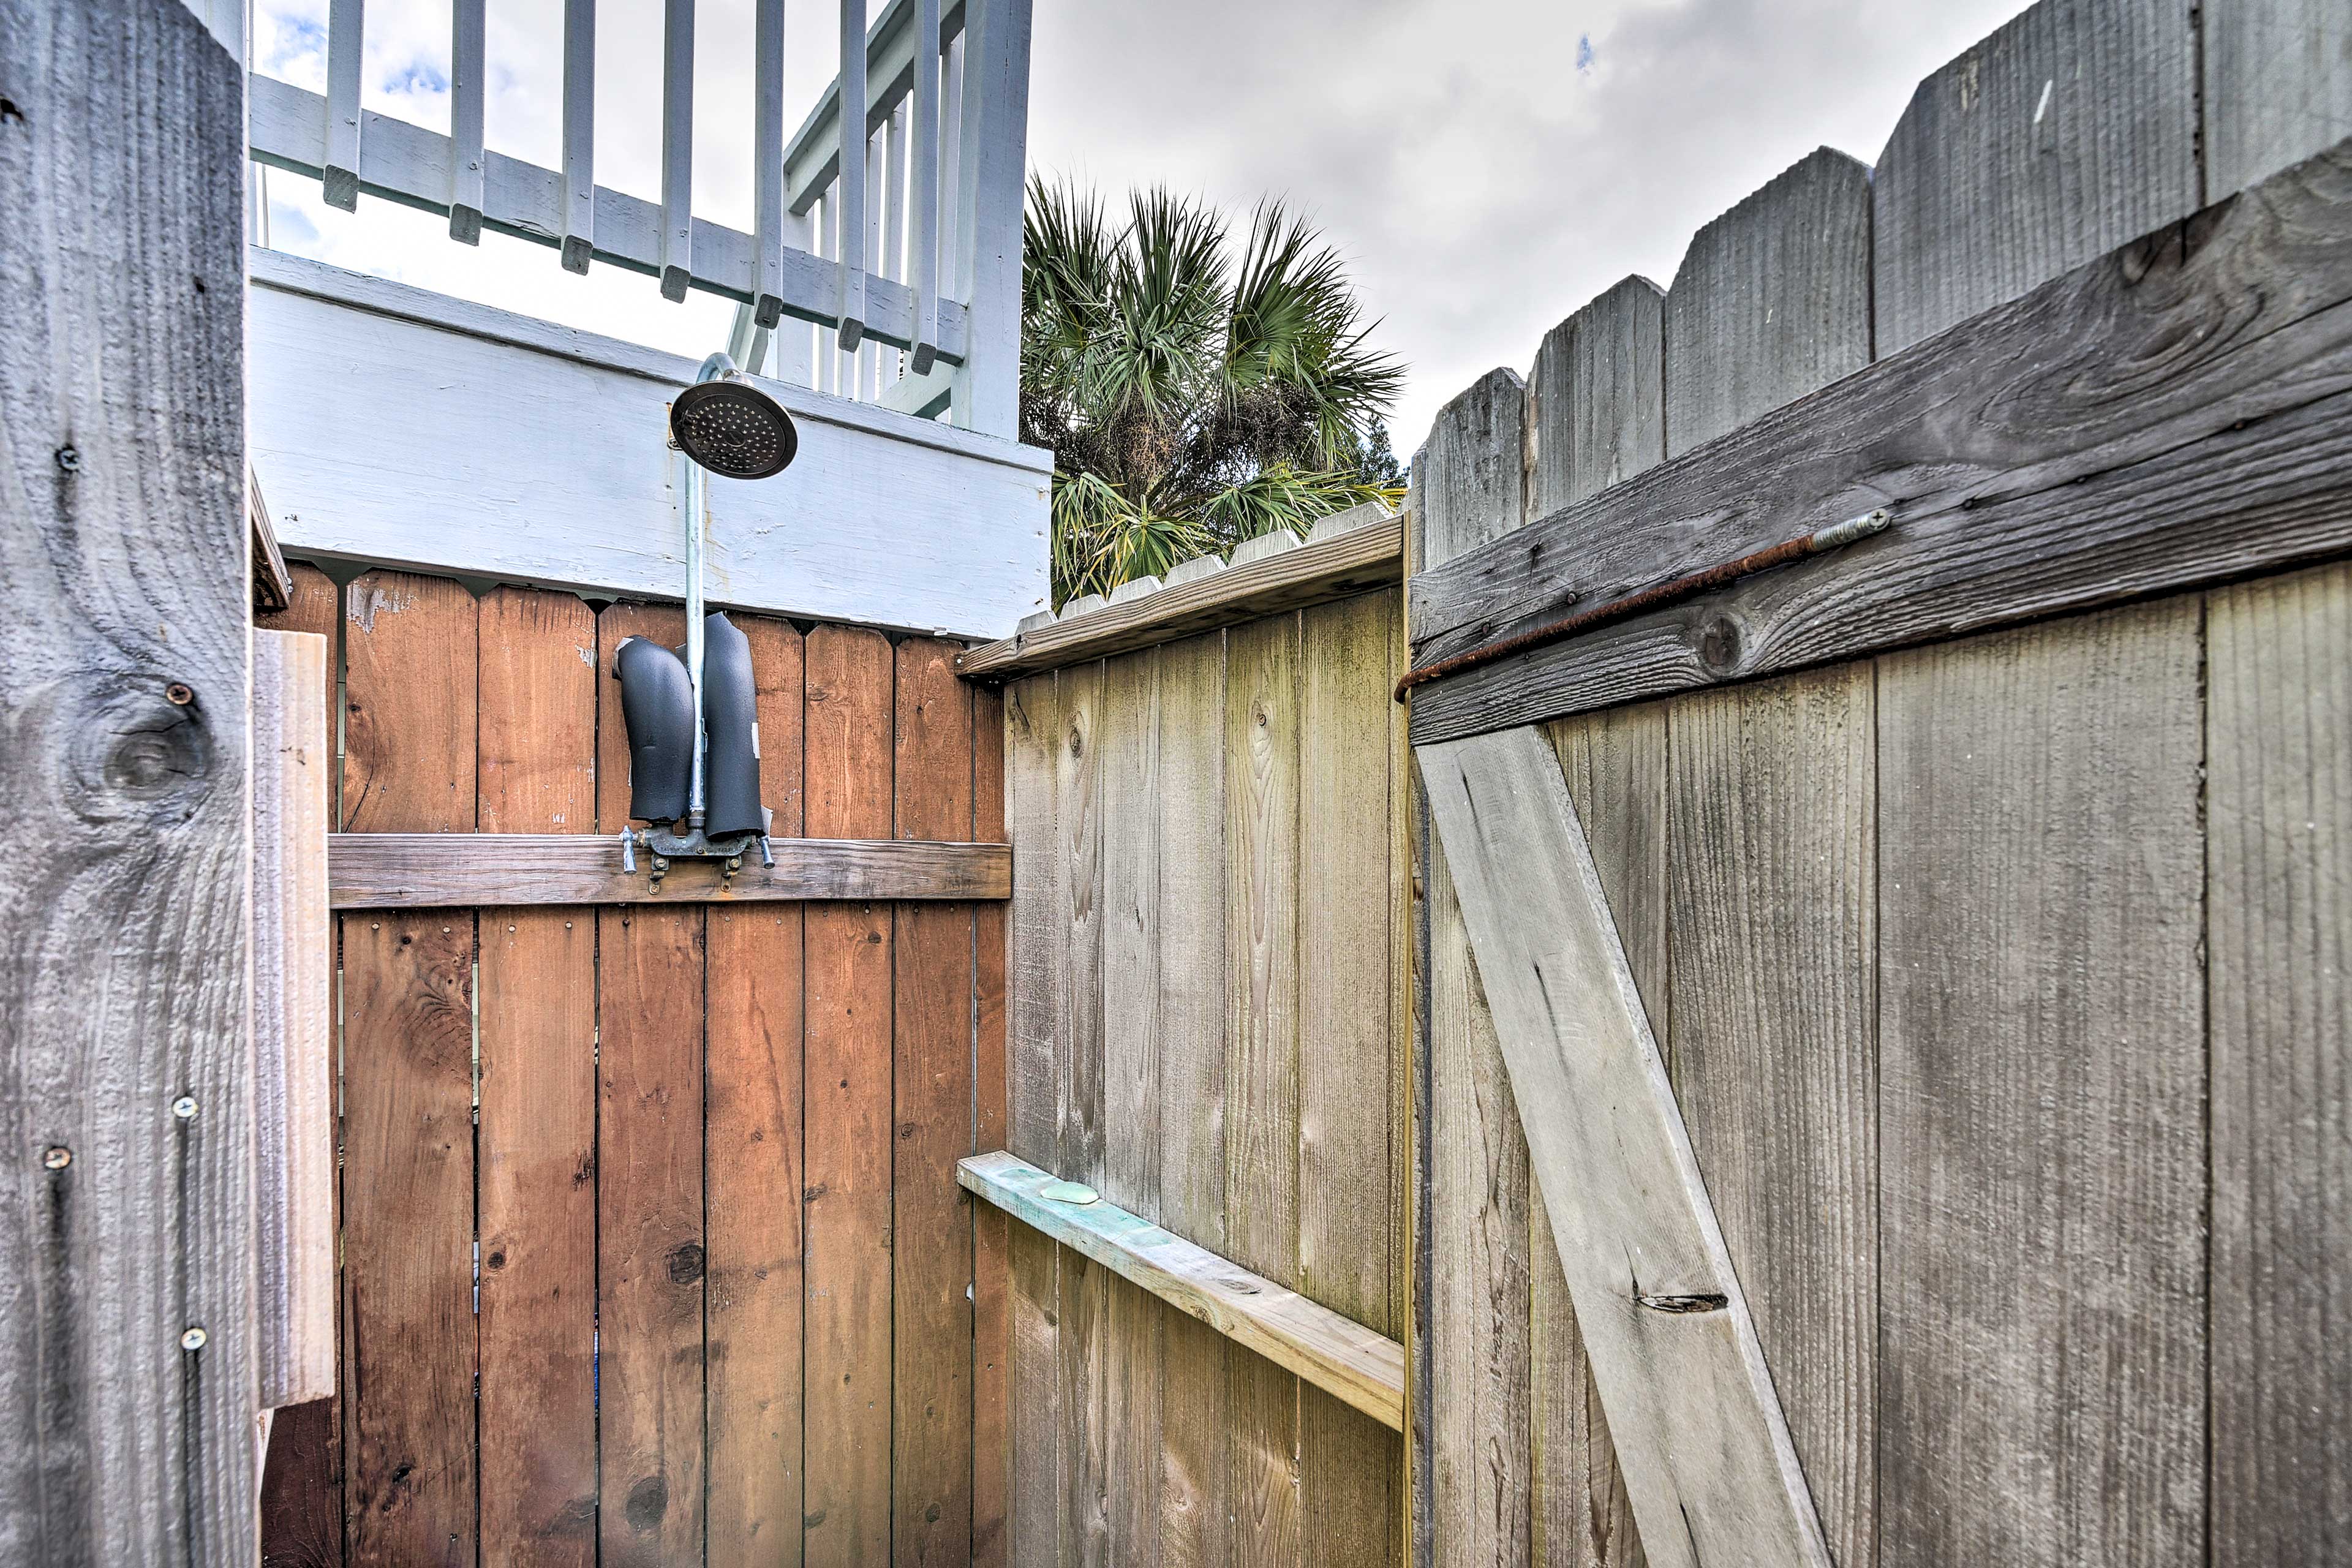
(1487, 168)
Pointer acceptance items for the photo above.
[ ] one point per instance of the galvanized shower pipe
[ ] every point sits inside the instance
(698, 488)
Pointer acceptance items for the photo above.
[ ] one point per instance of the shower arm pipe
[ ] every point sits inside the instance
(698, 492)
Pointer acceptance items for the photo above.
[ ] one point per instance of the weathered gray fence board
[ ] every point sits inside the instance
(1772, 301)
(1773, 1045)
(1033, 735)
(2063, 134)
(1696, 1427)
(2043, 1095)
(1615, 765)
(1469, 486)
(124, 981)
(2178, 411)
(425, 870)
(2278, 86)
(1596, 401)
(2279, 875)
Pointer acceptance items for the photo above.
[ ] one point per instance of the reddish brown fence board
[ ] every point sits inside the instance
(697, 1342)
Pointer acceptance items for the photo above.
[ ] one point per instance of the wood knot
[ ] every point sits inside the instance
(685, 1263)
(1680, 1304)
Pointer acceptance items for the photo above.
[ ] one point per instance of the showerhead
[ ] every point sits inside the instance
(732, 429)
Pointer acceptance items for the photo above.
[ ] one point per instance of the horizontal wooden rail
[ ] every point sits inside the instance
(1338, 1355)
(2175, 414)
(1345, 555)
(428, 870)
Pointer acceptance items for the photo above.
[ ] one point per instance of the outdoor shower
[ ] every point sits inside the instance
(692, 713)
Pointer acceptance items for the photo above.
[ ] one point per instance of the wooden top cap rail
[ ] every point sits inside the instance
(426, 870)
(1351, 552)
(1341, 1357)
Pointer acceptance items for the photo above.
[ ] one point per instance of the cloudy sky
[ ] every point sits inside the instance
(1485, 167)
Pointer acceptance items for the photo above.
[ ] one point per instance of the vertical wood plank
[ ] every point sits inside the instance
(1470, 485)
(992, 1447)
(1262, 1072)
(2278, 87)
(932, 1051)
(1127, 744)
(1348, 1464)
(1773, 1045)
(536, 773)
(2279, 864)
(1189, 1010)
(2042, 1284)
(849, 956)
(302, 1477)
(409, 1344)
(1033, 742)
(752, 1167)
(1597, 411)
(1085, 1529)
(1771, 301)
(2066, 132)
(649, 1193)
(1596, 400)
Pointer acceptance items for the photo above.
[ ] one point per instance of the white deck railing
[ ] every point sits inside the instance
(883, 265)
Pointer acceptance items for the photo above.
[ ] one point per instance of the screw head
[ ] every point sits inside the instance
(70, 460)
(179, 694)
(57, 1157)
(184, 1107)
(194, 1340)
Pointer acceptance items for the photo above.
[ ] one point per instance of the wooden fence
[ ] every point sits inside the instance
(652, 1247)
(1999, 981)
(1208, 1024)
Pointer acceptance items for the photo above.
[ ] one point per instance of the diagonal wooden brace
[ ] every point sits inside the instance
(1699, 1433)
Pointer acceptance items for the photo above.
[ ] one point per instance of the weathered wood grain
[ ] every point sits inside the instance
(536, 1142)
(932, 1070)
(1083, 1533)
(2064, 133)
(1034, 1427)
(124, 980)
(1706, 1453)
(1262, 1047)
(2278, 867)
(650, 1197)
(752, 1112)
(398, 870)
(1469, 486)
(1615, 765)
(1348, 563)
(1596, 400)
(1772, 301)
(1363, 1369)
(2042, 1291)
(1773, 1045)
(2277, 85)
(293, 1027)
(850, 705)
(1194, 1465)
(991, 1241)
(1126, 746)
(409, 1340)
(1033, 733)
(2174, 413)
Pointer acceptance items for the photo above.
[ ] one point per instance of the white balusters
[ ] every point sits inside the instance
(768, 161)
(466, 68)
(341, 174)
(678, 149)
(924, 191)
(850, 184)
(579, 195)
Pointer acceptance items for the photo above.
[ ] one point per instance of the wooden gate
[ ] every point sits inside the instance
(652, 1247)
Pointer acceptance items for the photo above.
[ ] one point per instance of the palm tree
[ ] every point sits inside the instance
(1192, 401)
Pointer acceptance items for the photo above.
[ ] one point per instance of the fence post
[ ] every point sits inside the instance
(127, 1281)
